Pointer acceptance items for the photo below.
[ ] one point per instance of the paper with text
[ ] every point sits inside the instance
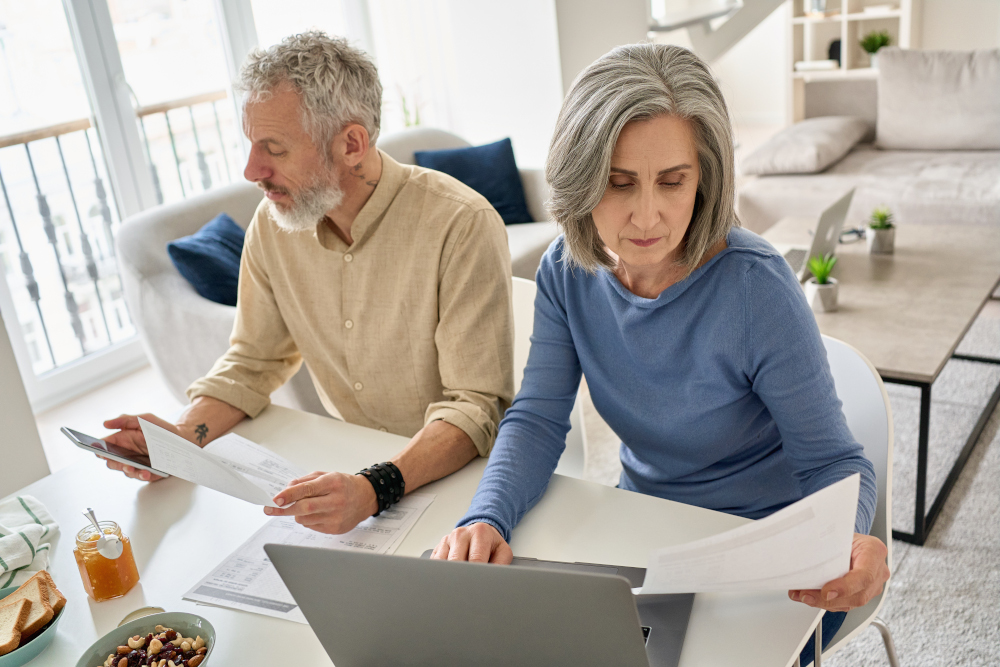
(802, 546)
(254, 474)
(246, 580)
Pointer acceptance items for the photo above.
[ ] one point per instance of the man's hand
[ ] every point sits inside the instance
(327, 502)
(476, 543)
(864, 581)
(130, 437)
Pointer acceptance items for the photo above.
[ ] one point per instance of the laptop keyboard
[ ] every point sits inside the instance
(796, 257)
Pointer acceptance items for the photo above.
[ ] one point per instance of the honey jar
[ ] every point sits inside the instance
(105, 578)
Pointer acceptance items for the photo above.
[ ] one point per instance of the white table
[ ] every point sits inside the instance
(180, 532)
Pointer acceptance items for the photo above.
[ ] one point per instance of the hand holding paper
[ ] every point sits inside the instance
(232, 465)
(802, 546)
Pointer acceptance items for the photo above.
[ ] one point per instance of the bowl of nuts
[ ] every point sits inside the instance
(170, 639)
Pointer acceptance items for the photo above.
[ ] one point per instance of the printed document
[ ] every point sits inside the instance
(246, 580)
(232, 465)
(802, 546)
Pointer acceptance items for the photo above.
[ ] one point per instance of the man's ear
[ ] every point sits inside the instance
(352, 144)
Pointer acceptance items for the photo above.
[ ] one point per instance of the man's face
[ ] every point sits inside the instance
(285, 163)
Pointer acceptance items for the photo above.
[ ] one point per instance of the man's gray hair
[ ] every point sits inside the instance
(633, 82)
(338, 83)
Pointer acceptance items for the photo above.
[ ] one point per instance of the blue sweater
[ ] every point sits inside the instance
(719, 388)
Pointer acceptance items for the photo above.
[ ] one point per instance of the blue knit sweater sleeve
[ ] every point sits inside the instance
(532, 435)
(787, 366)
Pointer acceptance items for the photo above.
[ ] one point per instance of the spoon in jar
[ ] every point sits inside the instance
(108, 546)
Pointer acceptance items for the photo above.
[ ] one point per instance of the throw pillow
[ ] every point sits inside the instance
(490, 170)
(938, 100)
(807, 147)
(209, 259)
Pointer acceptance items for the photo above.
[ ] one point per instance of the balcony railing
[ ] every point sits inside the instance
(57, 251)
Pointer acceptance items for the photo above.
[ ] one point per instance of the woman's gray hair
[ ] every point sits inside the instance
(634, 82)
(338, 83)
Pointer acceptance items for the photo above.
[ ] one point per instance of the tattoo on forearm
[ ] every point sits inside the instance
(201, 430)
(371, 183)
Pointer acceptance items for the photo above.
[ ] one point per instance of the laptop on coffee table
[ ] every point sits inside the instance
(369, 609)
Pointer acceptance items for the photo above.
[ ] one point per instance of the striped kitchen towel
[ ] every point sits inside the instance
(26, 530)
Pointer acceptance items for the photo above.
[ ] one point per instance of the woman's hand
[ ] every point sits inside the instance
(476, 543)
(130, 437)
(327, 502)
(864, 581)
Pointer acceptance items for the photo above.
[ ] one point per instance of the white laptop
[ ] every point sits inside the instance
(824, 239)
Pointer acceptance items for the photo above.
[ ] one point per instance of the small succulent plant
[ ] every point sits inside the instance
(875, 40)
(881, 218)
(821, 267)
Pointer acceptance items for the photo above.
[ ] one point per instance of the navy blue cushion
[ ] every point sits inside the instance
(490, 170)
(210, 259)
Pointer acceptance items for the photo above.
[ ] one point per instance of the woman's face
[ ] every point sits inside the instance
(649, 199)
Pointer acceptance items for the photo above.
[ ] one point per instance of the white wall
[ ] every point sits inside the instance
(961, 24)
(590, 28)
(481, 69)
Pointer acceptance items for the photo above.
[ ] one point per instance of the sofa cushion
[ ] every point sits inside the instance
(938, 100)
(210, 259)
(806, 147)
(490, 170)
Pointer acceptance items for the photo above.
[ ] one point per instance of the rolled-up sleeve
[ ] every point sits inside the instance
(475, 332)
(262, 355)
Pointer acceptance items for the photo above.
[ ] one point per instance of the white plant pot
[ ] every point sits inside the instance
(873, 60)
(881, 241)
(822, 298)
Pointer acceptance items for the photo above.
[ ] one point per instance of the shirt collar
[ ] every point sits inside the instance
(394, 176)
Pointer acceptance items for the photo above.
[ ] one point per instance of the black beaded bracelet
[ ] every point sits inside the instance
(387, 482)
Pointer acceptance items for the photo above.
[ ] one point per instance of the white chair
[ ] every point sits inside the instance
(869, 416)
(523, 298)
(21, 455)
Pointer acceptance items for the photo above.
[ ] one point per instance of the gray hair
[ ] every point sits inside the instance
(338, 84)
(633, 82)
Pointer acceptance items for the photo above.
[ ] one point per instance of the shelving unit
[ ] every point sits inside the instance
(848, 21)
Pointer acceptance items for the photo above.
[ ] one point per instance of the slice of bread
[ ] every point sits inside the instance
(37, 590)
(56, 598)
(12, 619)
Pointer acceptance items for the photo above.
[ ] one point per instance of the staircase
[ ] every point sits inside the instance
(713, 26)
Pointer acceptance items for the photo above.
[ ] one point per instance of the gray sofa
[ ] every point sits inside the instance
(183, 334)
(932, 153)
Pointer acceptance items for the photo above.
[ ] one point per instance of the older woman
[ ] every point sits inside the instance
(698, 345)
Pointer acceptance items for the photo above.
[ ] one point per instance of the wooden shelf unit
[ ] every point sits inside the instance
(846, 20)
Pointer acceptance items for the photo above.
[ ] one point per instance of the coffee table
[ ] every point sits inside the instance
(907, 313)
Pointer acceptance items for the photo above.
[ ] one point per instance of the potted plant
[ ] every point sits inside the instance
(881, 233)
(874, 41)
(821, 289)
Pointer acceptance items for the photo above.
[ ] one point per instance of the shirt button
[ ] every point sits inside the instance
(348, 257)
(384, 429)
(358, 386)
(349, 324)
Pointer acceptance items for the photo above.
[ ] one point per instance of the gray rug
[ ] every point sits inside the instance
(943, 606)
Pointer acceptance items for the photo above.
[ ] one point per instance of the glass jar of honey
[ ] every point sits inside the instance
(105, 578)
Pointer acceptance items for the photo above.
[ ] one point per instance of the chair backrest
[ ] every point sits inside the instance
(869, 416)
(403, 144)
(523, 297)
(21, 456)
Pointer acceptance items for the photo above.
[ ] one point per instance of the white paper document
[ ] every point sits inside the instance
(246, 579)
(802, 546)
(232, 465)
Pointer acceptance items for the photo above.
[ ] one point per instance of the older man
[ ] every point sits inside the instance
(391, 282)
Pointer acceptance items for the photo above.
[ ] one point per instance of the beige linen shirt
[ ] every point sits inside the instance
(411, 323)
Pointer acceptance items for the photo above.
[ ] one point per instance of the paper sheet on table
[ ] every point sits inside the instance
(802, 546)
(246, 580)
(231, 465)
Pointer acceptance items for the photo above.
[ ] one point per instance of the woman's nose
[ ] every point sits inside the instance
(646, 213)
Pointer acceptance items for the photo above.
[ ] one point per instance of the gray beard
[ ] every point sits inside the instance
(308, 207)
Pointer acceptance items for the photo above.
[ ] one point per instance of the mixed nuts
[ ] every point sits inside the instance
(164, 647)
